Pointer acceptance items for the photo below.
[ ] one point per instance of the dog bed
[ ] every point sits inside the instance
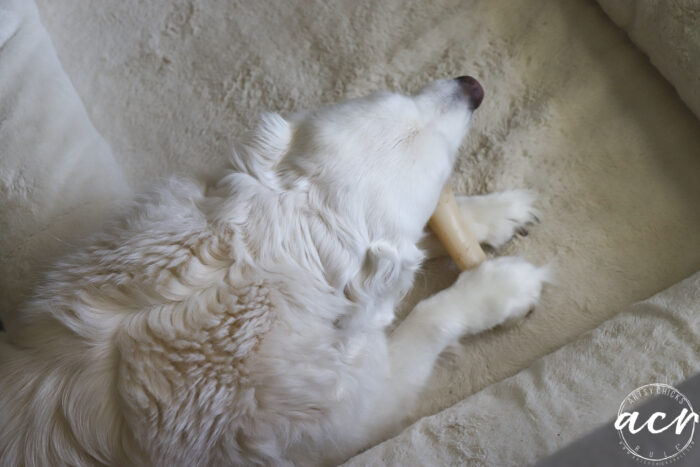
(573, 110)
(57, 174)
(669, 33)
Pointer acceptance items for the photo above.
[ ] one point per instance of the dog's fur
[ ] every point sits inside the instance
(247, 324)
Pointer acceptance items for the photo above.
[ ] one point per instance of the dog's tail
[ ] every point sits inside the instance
(47, 410)
(29, 405)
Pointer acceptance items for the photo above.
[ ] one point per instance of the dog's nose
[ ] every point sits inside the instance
(472, 89)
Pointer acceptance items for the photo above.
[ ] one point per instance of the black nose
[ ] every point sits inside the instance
(472, 89)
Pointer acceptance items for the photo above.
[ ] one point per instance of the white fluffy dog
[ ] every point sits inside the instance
(247, 324)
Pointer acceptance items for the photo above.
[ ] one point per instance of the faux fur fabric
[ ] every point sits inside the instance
(572, 109)
(669, 33)
(562, 396)
(57, 174)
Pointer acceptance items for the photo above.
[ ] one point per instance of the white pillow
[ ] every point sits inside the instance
(58, 178)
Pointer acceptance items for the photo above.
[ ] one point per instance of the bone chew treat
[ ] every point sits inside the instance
(449, 226)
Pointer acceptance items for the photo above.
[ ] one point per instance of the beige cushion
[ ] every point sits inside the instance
(57, 175)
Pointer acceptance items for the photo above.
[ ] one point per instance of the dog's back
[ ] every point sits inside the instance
(146, 347)
(120, 332)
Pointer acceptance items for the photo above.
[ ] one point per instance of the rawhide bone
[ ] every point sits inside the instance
(454, 233)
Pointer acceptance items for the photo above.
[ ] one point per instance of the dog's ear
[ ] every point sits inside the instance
(263, 148)
(384, 271)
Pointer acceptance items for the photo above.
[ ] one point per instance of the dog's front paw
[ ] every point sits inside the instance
(508, 289)
(497, 217)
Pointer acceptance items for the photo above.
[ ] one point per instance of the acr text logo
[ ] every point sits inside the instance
(656, 424)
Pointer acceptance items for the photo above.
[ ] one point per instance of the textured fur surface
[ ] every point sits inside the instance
(245, 323)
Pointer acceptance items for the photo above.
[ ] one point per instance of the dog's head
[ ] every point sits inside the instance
(382, 158)
(369, 172)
